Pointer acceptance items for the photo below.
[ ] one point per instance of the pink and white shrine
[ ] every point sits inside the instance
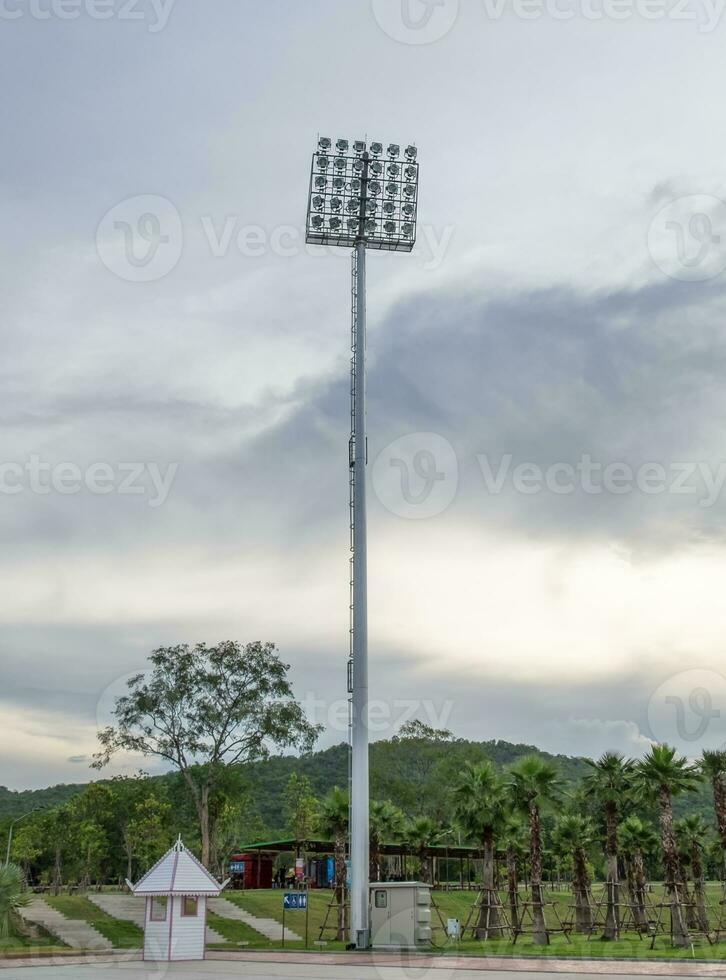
(176, 890)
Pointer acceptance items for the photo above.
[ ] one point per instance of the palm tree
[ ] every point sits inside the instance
(692, 833)
(660, 776)
(480, 804)
(572, 835)
(608, 783)
(513, 836)
(420, 835)
(11, 896)
(333, 822)
(534, 786)
(637, 838)
(386, 825)
(713, 767)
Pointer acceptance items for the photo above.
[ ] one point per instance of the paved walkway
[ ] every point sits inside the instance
(270, 928)
(73, 932)
(128, 908)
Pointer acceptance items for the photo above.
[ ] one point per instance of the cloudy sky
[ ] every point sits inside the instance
(546, 370)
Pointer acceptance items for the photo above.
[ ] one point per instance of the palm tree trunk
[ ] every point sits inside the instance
(341, 875)
(612, 885)
(539, 928)
(640, 913)
(699, 890)
(672, 867)
(489, 919)
(581, 891)
(512, 887)
(719, 803)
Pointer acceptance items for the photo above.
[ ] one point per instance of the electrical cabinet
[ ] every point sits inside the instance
(400, 915)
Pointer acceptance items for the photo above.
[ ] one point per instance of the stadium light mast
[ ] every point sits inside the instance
(364, 199)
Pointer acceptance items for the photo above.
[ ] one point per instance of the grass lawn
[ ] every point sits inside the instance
(123, 935)
(267, 904)
(456, 904)
(236, 932)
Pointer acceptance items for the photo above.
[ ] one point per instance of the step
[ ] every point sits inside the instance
(270, 928)
(128, 908)
(73, 932)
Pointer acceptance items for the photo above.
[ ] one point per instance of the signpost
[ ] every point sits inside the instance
(295, 902)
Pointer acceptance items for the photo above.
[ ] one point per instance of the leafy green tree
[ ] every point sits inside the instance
(480, 808)
(333, 822)
(27, 846)
(661, 776)
(535, 785)
(573, 834)
(205, 708)
(713, 767)
(148, 833)
(692, 834)
(301, 806)
(608, 783)
(418, 730)
(637, 839)
(11, 896)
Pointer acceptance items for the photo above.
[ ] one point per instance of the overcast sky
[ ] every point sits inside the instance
(546, 370)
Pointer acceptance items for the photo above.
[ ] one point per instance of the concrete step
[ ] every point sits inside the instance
(270, 928)
(131, 909)
(73, 932)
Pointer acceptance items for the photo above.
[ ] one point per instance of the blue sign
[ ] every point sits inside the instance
(237, 867)
(295, 900)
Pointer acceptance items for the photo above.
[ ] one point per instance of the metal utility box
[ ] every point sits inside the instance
(400, 915)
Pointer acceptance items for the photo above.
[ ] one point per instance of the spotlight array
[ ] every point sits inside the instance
(369, 195)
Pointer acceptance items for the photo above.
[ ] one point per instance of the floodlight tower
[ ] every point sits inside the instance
(367, 199)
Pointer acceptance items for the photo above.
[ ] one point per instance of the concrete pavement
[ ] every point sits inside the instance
(352, 967)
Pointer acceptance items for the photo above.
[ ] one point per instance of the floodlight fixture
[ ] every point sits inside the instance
(370, 202)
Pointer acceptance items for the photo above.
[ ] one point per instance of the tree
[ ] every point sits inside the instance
(608, 783)
(11, 896)
(692, 833)
(534, 786)
(418, 730)
(27, 846)
(513, 836)
(203, 709)
(300, 805)
(420, 834)
(386, 824)
(660, 776)
(572, 835)
(480, 808)
(333, 822)
(713, 767)
(637, 838)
